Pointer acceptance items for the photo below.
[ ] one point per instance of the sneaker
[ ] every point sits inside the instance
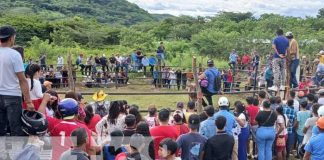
(273, 88)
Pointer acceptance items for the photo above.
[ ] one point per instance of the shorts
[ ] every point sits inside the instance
(281, 148)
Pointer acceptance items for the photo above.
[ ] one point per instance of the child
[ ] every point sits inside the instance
(151, 118)
(35, 88)
(178, 123)
(79, 138)
(168, 149)
(191, 106)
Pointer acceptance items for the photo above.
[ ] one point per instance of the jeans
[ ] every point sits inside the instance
(208, 96)
(10, 114)
(293, 69)
(265, 137)
(290, 142)
(242, 143)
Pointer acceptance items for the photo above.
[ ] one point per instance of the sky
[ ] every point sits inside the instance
(296, 8)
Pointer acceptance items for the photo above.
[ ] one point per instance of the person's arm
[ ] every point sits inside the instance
(42, 106)
(25, 90)
(306, 126)
(202, 76)
(307, 155)
(38, 89)
(281, 128)
(240, 121)
(274, 47)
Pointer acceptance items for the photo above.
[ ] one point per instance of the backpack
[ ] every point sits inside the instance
(109, 156)
(217, 82)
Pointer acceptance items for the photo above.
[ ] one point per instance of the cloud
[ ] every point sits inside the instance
(297, 8)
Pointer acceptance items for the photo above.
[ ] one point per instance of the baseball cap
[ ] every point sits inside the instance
(210, 61)
(289, 34)
(320, 123)
(180, 105)
(7, 31)
(194, 121)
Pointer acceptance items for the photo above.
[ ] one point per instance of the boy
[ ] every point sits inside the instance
(233, 59)
(302, 116)
(130, 121)
(79, 140)
(168, 149)
(190, 109)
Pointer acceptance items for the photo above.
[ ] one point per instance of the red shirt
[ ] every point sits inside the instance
(93, 122)
(246, 59)
(60, 131)
(161, 132)
(253, 111)
(181, 129)
(229, 78)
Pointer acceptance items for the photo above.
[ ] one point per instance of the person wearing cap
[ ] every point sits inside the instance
(321, 97)
(319, 71)
(224, 105)
(178, 122)
(13, 84)
(100, 105)
(207, 127)
(280, 45)
(314, 149)
(293, 58)
(192, 144)
(211, 75)
(163, 131)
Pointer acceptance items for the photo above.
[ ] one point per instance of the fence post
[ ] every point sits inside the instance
(70, 75)
(198, 90)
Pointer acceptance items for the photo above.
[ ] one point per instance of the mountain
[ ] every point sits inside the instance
(161, 17)
(104, 11)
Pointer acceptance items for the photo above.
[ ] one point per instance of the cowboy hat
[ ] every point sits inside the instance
(99, 96)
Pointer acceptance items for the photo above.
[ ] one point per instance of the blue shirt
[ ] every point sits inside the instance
(155, 74)
(191, 145)
(281, 44)
(152, 61)
(233, 57)
(211, 73)
(291, 114)
(230, 120)
(207, 127)
(315, 147)
(315, 131)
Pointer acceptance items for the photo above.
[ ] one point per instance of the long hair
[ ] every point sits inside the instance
(89, 114)
(134, 111)
(280, 112)
(30, 72)
(55, 103)
(240, 108)
(113, 112)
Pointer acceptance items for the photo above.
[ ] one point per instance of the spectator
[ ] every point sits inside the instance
(302, 116)
(321, 96)
(60, 62)
(51, 107)
(151, 119)
(296, 102)
(42, 60)
(280, 46)
(112, 61)
(160, 53)
(233, 59)
(143, 129)
(135, 111)
(111, 150)
(91, 118)
(314, 149)
(246, 59)
(192, 144)
(310, 123)
(293, 57)
(243, 137)
(100, 105)
(13, 84)
(130, 121)
(289, 111)
(79, 140)
(310, 101)
(269, 77)
(261, 97)
(191, 109)
(145, 63)
(48, 85)
(252, 109)
(223, 104)
(265, 134)
(32, 73)
(137, 144)
(65, 76)
(207, 127)
(152, 63)
(79, 62)
(168, 149)
(163, 131)
(178, 123)
(219, 146)
(281, 133)
(88, 66)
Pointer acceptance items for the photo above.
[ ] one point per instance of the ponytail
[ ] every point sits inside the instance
(30, 71)
(89, 114)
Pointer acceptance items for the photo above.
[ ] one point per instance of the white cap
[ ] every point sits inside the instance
(320, 111)
(289, 34)
(223, 101)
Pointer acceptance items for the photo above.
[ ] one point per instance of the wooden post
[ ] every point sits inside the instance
(70, 75)
(160, 73)
(198, 89)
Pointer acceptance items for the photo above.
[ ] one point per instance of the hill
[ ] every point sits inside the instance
(104, 11)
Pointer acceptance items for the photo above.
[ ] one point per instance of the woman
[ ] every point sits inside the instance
(110, 122)
(51, 108)
(91, 119)
(242, 119)
(143, 129)
(134, 111)
(88, 66)
(178, 123)
(310, 123)
(32, 73)
(265, 134)
(281, 136)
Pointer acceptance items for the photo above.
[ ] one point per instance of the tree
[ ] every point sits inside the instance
(320, 13)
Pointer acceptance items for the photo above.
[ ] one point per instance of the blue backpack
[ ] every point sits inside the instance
(109, 156)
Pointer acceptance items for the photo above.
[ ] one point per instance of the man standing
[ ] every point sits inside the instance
(280, 45)
(314, 149)
(293, 59)
(233, 59)
(13, 84)
(60, 62)
(42, 60)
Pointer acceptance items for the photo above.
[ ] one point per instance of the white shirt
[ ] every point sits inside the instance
(281, 120)
(243, 117)
(145, 61)
(321, 100)
(296, 105)
(120, 59)
(36, 92)
(10, 64)
(60, 61)
(310, 123)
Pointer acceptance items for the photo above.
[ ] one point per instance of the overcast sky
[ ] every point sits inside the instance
(297, 8)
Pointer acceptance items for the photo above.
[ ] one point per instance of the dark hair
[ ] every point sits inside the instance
(164, 115)
(152, 111)
(273, 100)
(315, 108)
(210, 111)
(249, 100)
(280, 111)
(89, 113)
(303, 104)
(278, 99)
(71, 94)
(266, 104)
(143, 129)
(55, 103)
(177, 118)
(117, 138)
(255, 101)
(262, 94)
(292, 94)
(134, 111)
(280, 32)
(311, 97)
(134, 106)
(30, 72)
(240, 108)
(191, 105)
(169, 144)
(113, 112)
(130, 120)
(122, 107)
(79, 137)
(20, 50)
(220, 122)
(290, 102)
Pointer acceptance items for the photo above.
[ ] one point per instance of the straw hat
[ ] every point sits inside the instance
(99, 96)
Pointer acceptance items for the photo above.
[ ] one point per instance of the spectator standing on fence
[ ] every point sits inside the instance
(88, 66)
(60, 62)
(145, 63)
(233, 59)
(160, 53)
(13, 84)
(112, 61)
(103, 62)
(293, 58)
(246, 59)
(152, 63)
(280, 45)
(79, 62)
(42, 61)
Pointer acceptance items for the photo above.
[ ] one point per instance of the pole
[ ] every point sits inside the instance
(256, 66)
(198, 89)
(70, 75)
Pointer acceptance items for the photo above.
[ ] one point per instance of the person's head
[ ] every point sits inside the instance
(33, 72)
(117, 138)
(21, 51)
(89, 113)
(249, 100)
(7, 36)
(239, 108)
(210, 63)
(321, 92)
(273, 100)
(178, 117)
(164, 115)
(191, 105)
(301, 94)
(180, 105)
(167, 148)
(262, 95)
(289, 35)
(320, 124)
(220, 123)
(123, 107)
(303, 104)
(266, 104)
(223, 103)
(292, 94)
(99, 96)
(79, 137)
(193, 122)
(143, 129)
(290, 102)
(71, 94)
(130, 121)
(68, 108)
(137, 142)
(152, 110)
(255, 101)
(134, 111)
(278, 100)
(315, 109)
(280, 32)
(48, 85)
(310, 97)
(279, 110)
(113, 112)
(209, 111)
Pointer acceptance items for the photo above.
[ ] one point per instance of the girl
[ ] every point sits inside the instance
(51, 108)
(242, 119)
(281, 136)
(32, 73)
(91, 119)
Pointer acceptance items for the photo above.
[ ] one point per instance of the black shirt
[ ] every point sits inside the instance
(219, 147)
(112, 60)
(262, 117)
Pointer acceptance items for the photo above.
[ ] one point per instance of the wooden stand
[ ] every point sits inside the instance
(198, 89)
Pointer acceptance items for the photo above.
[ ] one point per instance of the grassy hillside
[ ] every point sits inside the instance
(104, 11)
